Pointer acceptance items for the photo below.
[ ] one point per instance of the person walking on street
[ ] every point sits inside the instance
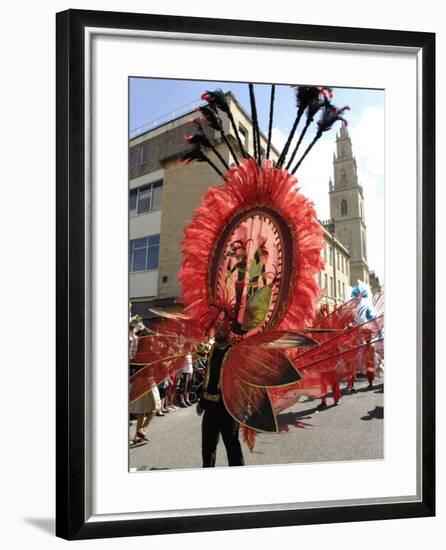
(216, 418)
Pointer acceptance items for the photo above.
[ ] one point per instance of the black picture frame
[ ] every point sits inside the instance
(71, 475)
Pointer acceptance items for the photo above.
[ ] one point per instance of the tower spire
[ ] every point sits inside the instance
(347, 207)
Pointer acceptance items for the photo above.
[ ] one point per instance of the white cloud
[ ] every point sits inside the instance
(368, 140)
(314, 174)
(368, 147)
(374, 219)
(278, 138)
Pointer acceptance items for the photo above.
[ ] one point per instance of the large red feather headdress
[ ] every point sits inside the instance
(251, 189)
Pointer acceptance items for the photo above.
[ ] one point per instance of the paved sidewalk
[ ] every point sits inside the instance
(351, 431)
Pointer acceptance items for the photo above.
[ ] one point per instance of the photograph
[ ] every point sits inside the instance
(245, 240)
(256, 273)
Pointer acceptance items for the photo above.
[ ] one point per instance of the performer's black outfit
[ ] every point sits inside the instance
(216, 419)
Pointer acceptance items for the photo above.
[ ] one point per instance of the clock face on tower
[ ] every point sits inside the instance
(251, 269)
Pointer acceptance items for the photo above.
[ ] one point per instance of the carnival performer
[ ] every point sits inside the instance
(216, 418)
(328, 380)
(364, 313)
(335, 393)
(146, 406)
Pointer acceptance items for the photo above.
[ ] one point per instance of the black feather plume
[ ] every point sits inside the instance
(270, 122)
(211, 118)
(307, 97)
(314, 103)
(197, 154)
(193, 154)
(215, 122)
(303, 96)
(217, 101)
(201, 140)
(330, 114)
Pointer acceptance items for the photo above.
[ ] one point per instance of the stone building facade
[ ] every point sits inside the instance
(334, 279)
(347, 208)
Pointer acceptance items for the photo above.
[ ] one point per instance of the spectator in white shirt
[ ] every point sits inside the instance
(185, 382)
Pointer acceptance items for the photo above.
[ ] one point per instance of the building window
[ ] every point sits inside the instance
(326, 282)
(325, 251)
(157, 196)
(133, 158)
(338, 261)
(144, 253)
(330, 255)
(262, 152)
(339, 289)
(144, 154)
(344, 207)
(243, 135)
(343, 291)
(331, 287)
(320, 279)
(147, 198)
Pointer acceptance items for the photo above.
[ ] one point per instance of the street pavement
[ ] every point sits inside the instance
(353, 430)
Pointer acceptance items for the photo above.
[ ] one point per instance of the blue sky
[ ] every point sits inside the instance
(151, 99)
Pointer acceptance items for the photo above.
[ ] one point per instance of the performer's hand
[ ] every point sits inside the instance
(199, 409)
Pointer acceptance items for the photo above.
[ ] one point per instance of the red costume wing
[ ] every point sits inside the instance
(279, 339)
(361, 358)
(339, 357)
(253, 366)
(335, 346)
(258, 361)
(283, 398)
(249, 405)
(261, 367)
(154, 373)
(153, 348)
(341, 317)
(164, 351)
(177, 325)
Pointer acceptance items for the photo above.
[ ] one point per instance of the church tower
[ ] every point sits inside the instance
(347, 207)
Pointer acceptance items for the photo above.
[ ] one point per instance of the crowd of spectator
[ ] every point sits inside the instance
(179, 390)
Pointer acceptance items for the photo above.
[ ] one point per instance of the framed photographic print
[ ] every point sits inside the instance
(245, 241)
